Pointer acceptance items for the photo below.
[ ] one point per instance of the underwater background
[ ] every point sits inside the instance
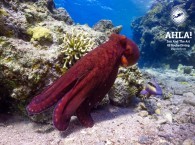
(147, 28)
(151, 102)
(91, 11)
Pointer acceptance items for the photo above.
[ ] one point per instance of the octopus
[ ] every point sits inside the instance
(86, 83)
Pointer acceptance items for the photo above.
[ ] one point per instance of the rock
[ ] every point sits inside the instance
(31, 50)
(62, 15)
(175, 110)
(187, 69)
(159, 105)
(189, 94)
(189, 98)
(186, 114)
(103, 25)
(141, 106)
(119, 94)
(144, 139)
(177, 99)
(162, 121)
(107, 26)
(157, 111)
(126, 87)
(105, 101)
(180, 79)
(50, 5)
(116, 29)
(143, 113)
(151, 106)
(168, 116)
(188, 142)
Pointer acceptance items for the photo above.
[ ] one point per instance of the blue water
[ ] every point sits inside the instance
(91, 11)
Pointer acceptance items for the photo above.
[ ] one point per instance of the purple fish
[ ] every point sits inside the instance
(151, 88)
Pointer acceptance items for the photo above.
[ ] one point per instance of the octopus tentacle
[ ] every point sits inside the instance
(45, 100)
(55, 92)
(68, 105)
(83, 114)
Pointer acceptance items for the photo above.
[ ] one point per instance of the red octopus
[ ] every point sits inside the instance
(85, 83)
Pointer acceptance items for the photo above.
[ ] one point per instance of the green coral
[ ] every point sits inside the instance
(76, 44)
(40, 34)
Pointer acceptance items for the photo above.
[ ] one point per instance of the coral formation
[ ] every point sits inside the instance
(107, 27)
(128, 84)
(76, 44)
(150, 31)
(27, 65)
(40, 34)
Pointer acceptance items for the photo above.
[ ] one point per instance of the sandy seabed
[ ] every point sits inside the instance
(113, 125)
(116, 125)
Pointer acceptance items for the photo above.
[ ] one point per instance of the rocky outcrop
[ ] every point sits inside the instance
(107, 27)
(39, 43)
(150, 31)
(33, 48)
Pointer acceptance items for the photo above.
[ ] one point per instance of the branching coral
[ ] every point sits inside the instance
(76, 44)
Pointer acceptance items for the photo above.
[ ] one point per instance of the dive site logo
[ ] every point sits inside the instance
(179, 40)
(178, 15)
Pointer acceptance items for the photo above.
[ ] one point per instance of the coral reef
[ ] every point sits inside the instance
(150, 31)
(107, 27)
(38, 43)
(32, 45)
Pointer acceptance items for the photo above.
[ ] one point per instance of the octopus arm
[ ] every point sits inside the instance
(56, 91)
(68, 105)
(83, 112)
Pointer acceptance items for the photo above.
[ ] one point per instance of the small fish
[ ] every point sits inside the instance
(151, 88)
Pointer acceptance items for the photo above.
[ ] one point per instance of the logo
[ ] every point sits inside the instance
(178, 15)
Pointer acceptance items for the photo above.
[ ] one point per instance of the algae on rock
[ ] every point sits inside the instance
(40, 34)
(128, 84)
(26, 69)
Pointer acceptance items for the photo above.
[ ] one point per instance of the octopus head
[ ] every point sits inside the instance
(131, 52)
